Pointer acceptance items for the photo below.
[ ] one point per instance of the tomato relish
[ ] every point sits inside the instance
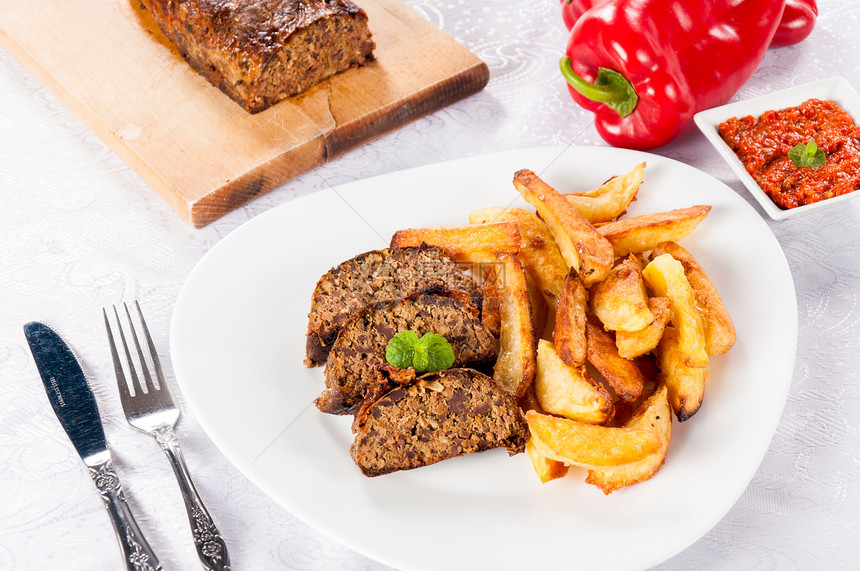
(763, 144)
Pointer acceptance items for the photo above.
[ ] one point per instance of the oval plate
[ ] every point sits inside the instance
(237, 342)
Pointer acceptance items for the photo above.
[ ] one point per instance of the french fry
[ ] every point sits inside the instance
(567, 391)
(581, 246)
(632, 344)
(621, 374)
(515, 366)
(491, 308)
(719, 329)
(686, 384)
(589, 445)
(568, 336)
(539, 254)
(475, 243)
(611, 199)
(546, 468)
(642, 233)
(655, 415)
(620, 301)
(664, 275)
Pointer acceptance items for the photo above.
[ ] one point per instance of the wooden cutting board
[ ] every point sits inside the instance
(111, 65)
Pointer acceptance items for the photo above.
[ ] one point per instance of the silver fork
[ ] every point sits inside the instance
(151, 409)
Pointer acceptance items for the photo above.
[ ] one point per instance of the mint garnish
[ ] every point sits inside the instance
(432, 352)
(808, 155)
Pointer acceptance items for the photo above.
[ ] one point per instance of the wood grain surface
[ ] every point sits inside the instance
(111, 65)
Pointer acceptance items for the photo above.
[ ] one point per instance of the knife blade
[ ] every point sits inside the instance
(75, 406)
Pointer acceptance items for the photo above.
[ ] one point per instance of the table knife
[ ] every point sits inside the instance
(75, 407)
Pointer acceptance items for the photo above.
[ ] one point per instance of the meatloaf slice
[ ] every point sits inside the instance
(439, 416)
(261, 51)
(350, 369)
(378, 275)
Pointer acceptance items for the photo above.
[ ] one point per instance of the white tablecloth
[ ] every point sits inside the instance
(79, 230)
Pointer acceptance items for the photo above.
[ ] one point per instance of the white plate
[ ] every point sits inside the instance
(835, 89)
(237, 341)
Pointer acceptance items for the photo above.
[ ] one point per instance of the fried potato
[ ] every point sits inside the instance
(581, 246)
(568, 336)
(515, 366)
(664, 275)
(546, 468)
(621, 374)
(539, 253)
(475, 243)
(632, 344)
(589, 445)
(620, 301)
(567, 391)
(540, 309)
(611, 199)
(491, 307)
(643, 233)
(654, 415)
(719, 329)
(686, 384)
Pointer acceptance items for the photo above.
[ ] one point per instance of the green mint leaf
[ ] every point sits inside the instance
(808, 155)
(400, 351)
(433, 353)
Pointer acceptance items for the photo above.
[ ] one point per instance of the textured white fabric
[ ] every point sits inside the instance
(79, 230)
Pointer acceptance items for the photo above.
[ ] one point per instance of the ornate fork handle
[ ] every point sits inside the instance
(211, 548)
(136, 551)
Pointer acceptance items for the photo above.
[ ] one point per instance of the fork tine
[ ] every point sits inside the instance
(135, 381)
(144, 368)
(153, 353)
(117, 365)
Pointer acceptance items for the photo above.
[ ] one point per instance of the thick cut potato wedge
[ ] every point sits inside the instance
(686, 384)
(655, 415)
(611, 199)
(589, 445)
(665, 276)
(539, 253)
(491, 307)
(719, 329)
(621, 374)
(546, 468)
(642, 233)
(568, 336)
(632, 344)
(567, 391)
(515, 366)
(475, 243)
(620, 301)
(582, 247)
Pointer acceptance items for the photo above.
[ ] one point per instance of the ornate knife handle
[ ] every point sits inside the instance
(136, 552)
(211, 548)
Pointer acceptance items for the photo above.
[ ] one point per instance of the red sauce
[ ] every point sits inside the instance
(762, 145)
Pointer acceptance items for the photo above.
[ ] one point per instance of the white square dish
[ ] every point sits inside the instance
(835, 89)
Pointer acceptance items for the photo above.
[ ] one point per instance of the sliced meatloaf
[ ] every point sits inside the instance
(350, 369)
(378, 275)
(439, 416)
(261, 51)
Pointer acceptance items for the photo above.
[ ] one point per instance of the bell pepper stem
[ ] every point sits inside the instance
(610, 88)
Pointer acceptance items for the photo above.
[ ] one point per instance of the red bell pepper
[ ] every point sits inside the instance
(645, 67)
(797, 21)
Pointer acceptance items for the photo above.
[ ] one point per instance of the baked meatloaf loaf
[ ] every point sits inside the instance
(378, 275)
(261, 51)
(440, 415)
(350, 369)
